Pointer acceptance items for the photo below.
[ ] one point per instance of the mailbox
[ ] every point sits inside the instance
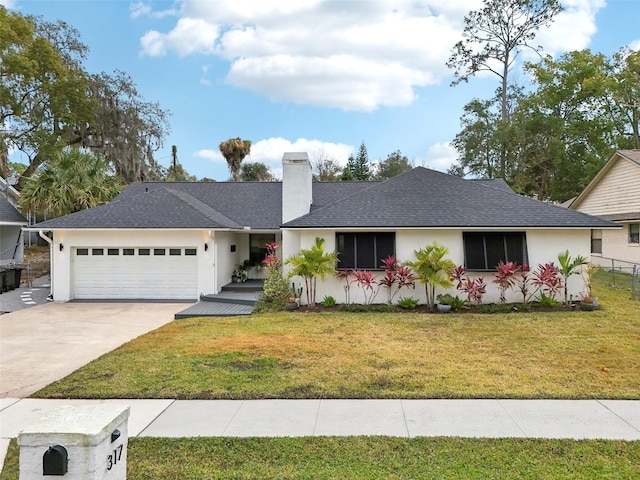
(55, 461)
(79, 442)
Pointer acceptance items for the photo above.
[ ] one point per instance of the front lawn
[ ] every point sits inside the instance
(383, 355)
(372, 458)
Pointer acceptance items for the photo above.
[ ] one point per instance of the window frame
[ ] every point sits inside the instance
(354, 260)
(634, 238)
(596, 241)
(488, 263)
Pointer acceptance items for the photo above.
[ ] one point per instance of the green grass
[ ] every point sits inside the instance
(373, 458)
(613, 279)
(563, 354)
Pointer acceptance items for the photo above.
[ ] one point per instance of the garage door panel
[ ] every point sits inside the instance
(119, 276)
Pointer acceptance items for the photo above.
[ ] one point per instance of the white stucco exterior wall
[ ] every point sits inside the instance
(543, 246)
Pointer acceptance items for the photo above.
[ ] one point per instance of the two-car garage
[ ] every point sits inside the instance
(167, 273)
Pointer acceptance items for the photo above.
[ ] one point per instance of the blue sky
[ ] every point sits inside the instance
(308, 75)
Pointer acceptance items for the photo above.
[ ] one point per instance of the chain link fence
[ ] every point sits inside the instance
(619, 274)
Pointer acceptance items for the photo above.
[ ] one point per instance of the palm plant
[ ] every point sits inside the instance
(311, 264)
(433, 269)
(234, 150)
(569, 266)
(71, 181)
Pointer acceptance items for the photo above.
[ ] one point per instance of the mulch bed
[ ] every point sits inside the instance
(485, 308)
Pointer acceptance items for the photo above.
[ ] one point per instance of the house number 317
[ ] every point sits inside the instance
(114, 457)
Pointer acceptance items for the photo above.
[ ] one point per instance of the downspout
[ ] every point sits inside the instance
(214, 246)
(50, 242)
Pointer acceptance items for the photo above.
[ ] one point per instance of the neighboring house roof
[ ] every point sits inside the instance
(418, 198)
(426, 198)
(9, 215)
(614, 192)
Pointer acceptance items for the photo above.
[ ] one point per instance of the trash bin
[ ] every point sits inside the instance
(9, 279)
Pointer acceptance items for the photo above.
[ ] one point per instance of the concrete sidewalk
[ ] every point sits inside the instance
(576, 419)
(571, 419)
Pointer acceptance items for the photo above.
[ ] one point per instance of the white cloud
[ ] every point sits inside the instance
(8, 4)
(138, 9)
(572, 28)
(353, 55)
(635, 45)
(270, 150)
(189, 36)
(440, 157)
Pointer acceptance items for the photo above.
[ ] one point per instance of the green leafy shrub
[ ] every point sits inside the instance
(276, 289)
(328, 301)
(548, 301)
(408, 303)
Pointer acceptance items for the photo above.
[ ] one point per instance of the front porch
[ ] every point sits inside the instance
(234, 299)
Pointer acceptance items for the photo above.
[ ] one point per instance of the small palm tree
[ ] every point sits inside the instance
(71, 181)
(234, 150)
(569, 266)
(311, 264)
(433, 269)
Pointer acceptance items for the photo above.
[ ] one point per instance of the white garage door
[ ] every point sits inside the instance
(135, 273)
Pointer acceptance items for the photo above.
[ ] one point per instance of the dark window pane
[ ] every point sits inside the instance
(175, 251)
(365, 252)
(97, 251)
(634, 233)
(190, 252)
(144, 251)
(82, 251)
(128, 251)
(385, 246)
(346, 250)
(484, 250)
(515, 248)
(474, 251)
(113, 251)
(257, 247)
(494, 244)
(159, 251)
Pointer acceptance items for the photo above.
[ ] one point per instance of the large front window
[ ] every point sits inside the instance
(484, 250)
(258, 248)
(364, 251)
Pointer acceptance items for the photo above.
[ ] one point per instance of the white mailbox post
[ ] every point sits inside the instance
(84, 442)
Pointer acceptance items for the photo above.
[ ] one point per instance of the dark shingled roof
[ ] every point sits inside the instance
(9, 214)
(418, 198)
(426, 198)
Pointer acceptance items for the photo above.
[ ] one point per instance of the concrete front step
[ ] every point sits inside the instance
(214, 309)
(248, 286)
(240, 298)
(234, 299)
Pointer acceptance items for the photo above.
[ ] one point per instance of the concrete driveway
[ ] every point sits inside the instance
(44, 343)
